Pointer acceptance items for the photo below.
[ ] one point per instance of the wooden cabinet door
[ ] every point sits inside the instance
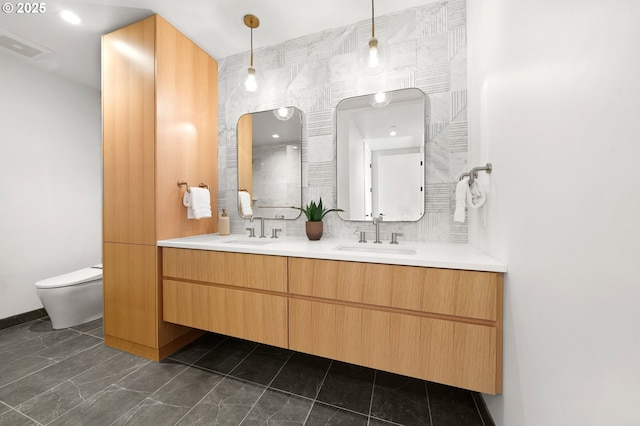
(128, 108)
(248, 315)
(129, 285)
(186, 131)
(468, 294)
(254, 271)
(455, 353)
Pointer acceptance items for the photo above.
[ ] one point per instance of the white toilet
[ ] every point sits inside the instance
(74, 298)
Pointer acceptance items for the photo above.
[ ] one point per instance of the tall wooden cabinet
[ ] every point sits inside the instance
(159, 103)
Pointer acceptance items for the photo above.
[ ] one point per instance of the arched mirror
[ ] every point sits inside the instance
(380, 144)
(270, 163)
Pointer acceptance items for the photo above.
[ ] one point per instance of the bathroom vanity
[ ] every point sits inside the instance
(430, 311)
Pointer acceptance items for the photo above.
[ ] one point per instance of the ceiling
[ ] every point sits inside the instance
(215, 25)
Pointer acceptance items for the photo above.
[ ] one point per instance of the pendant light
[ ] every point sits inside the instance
(374, 55)
(250, 80)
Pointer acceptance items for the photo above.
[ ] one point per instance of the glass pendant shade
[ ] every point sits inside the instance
(249, 79)
(373, 56)
(250, 82)
(248, 75)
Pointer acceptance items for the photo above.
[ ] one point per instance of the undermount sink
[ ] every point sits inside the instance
(249, 242)
(365, 248)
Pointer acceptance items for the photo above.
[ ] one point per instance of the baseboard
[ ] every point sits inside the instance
(482, 409)
(21, 318)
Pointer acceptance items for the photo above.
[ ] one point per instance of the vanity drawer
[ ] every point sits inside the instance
(235, 269)
(458, 354)
(245, 314)
(469, 294)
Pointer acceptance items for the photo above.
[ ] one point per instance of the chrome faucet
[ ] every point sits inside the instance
(376, 222)
(261, 224)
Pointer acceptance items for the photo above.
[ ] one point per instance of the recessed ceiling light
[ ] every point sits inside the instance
(70, 17)
(275, 136)
(393, 131)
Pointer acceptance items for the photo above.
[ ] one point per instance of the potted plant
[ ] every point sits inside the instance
(315, 213)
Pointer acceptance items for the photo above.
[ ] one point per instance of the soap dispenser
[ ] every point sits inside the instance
(224, 228)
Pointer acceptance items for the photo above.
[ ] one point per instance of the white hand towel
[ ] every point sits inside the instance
(244, 201)
(475, 197)
(461, 199)
(198, 203)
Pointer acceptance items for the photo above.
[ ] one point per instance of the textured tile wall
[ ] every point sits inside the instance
(315, 72)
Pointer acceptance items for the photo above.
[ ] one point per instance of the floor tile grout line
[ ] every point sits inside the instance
(100, 392)
(223, 375)
(373, 391)
(426, 388)
(273, 379)
(70, 379)
(39, 336)
(315, 398)
(139, 404)
(475, 402)
(192, 364)
(243, 359)
(22, 414)
(266, 387)
(49, 365)
(324, 379)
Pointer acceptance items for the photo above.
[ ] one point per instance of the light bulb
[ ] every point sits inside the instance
(374, 61)
(250, 83)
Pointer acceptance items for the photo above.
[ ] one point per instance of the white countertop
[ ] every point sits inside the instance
(410, 253)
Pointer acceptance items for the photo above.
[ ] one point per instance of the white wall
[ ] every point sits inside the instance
(50, 181)
(554, 104)
(315, 72)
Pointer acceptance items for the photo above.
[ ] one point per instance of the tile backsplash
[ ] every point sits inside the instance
(315, 72)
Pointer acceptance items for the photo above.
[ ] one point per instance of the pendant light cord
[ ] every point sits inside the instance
(373, 32)
(251, 57)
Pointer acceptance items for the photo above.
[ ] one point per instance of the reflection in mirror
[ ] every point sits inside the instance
(270, 163)
(380, 156)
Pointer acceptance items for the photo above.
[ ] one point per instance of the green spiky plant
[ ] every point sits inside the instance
(315, 212)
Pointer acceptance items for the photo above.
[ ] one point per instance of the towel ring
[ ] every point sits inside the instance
(182, 183)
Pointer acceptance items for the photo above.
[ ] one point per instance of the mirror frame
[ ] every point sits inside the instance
(425, 114)
(295, 214)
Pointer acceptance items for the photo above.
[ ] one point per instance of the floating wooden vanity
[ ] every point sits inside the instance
(433, 323)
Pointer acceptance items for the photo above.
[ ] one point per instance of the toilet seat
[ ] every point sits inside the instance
(77, 277)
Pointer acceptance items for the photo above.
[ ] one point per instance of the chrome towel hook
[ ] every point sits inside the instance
(473, 174)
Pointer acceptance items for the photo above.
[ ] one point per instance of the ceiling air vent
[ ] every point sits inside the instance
(18, 47)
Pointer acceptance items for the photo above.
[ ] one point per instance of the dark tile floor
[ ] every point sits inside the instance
(68, 377)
